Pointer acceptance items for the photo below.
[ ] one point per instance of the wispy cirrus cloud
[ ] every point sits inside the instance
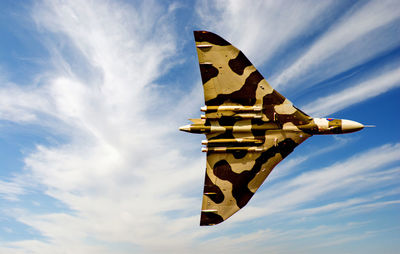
(361, 204)
(10, 190)
(357, 93)
(348, 43)
(260, 28)
(285, 241)
(117, 171)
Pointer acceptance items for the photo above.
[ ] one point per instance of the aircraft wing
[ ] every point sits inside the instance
(233, 177)
(229, 78)
(240, 158)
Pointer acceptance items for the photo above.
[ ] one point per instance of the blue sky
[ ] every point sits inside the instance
(92, 94)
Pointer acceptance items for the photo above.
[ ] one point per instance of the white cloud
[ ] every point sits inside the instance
(259, 28)
(119, 172)
(20, 105)
(285, 241)
(349, 42)
(367, 89)
(10, 190)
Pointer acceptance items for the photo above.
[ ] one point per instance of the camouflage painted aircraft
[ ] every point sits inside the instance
(249, 126)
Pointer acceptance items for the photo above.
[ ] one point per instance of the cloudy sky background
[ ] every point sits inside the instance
(92, 94)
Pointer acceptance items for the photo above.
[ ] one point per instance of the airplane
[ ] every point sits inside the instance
(249, 127)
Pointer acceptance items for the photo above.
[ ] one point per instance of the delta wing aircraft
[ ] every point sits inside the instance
(249, 126)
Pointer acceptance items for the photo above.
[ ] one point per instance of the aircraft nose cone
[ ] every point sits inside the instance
(351, 126)
(185, 128)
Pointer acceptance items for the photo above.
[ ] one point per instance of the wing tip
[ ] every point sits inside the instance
(210, 218)
(201, 35)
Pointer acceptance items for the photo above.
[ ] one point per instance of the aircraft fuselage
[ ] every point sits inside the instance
(317, 126)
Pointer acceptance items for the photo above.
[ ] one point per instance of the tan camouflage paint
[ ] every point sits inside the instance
(249, 126)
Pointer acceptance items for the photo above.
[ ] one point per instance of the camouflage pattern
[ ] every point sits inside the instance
(249, 126)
